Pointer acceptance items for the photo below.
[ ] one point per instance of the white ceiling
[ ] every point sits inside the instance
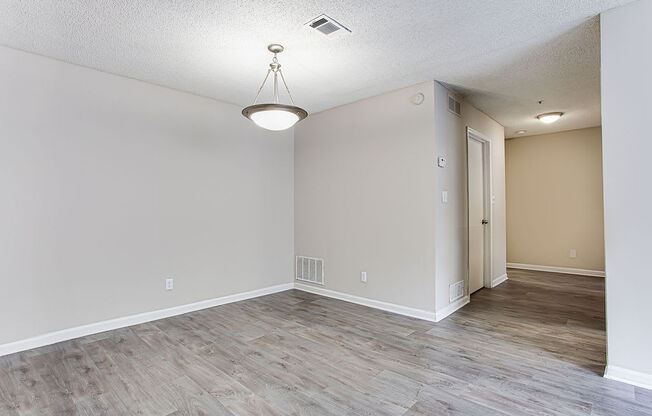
(503, 55)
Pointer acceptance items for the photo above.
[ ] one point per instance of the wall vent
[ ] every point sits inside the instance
(327, 26)
(456, 290)
(310, 269)
(454, 106)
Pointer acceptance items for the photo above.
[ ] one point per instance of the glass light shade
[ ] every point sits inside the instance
(549, 117)
(274, 119)
(274, 116)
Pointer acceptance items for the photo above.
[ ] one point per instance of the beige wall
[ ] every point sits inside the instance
(109, 186)
(365, 195)
(554, 199)
(451, 217)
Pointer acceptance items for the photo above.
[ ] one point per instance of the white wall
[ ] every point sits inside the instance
(364, 196)
(451, 217)
(110, 185)
(626, 146)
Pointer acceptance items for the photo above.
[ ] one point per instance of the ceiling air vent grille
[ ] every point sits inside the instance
(327, 26)
(454, 106)
(310, 269)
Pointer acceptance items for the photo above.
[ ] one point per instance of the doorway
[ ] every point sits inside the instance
(478, 152)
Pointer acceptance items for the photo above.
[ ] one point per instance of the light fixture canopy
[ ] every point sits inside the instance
(550, 117)
(274, 116)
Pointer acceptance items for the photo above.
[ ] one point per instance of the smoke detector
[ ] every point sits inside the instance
(327, 26)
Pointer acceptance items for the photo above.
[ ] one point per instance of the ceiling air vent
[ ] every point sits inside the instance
(327, 26)
(310, 269)
(454, 106)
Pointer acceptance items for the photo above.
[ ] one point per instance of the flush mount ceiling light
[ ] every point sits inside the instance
(549, 117)
(274, 116)
(519, 132)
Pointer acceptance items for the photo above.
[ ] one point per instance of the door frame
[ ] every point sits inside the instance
(475, 135)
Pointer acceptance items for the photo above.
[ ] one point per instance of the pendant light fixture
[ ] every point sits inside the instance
(274, 116)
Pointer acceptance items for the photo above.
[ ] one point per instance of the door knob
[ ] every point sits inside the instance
(485, 222)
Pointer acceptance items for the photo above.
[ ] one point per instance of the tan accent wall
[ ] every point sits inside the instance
(554, 199)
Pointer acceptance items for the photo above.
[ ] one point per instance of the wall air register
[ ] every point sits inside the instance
(454, 106)
(310, 269)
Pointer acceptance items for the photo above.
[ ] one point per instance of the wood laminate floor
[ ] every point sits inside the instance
(533, 346)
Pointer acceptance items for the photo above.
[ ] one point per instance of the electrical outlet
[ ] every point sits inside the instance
(169, 284)
(573, 253)
(363, 277)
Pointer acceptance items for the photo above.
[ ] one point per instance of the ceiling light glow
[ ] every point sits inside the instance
(548, 118)
(274, 119)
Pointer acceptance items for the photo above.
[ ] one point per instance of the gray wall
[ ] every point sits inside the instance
(110, 185)
(451, 217)
(365, 195)
(626, 147)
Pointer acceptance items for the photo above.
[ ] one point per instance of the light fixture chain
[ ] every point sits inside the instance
(286, 86)
(276, 86)
(261, 87)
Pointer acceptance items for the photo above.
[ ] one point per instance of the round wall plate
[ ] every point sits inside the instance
(417, 99)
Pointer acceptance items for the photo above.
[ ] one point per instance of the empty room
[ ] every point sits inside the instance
(325, 208)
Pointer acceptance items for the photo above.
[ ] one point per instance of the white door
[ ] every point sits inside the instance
(477, 218)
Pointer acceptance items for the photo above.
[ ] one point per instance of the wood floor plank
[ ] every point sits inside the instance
(533, 345)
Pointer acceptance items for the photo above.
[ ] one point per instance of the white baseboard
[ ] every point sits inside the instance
(554, 269)
(498, 280)
(635, 378)
(97, 327)
(385, 306)
(444, 312)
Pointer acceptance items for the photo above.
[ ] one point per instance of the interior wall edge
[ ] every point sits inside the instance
(555, 269)
(451, 308)
(372, 303)
(130, 320)
(624, 375)
(498, 280)
(525, 136)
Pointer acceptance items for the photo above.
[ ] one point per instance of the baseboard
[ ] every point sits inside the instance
(632, 377)
(385, 306)
(498, 280)
(554, 269)
(444, 312)
(97, 327)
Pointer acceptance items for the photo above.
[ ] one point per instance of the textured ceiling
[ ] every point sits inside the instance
(503, 55)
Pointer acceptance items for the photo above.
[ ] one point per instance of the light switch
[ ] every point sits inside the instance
(444, 197)
(573, 253)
